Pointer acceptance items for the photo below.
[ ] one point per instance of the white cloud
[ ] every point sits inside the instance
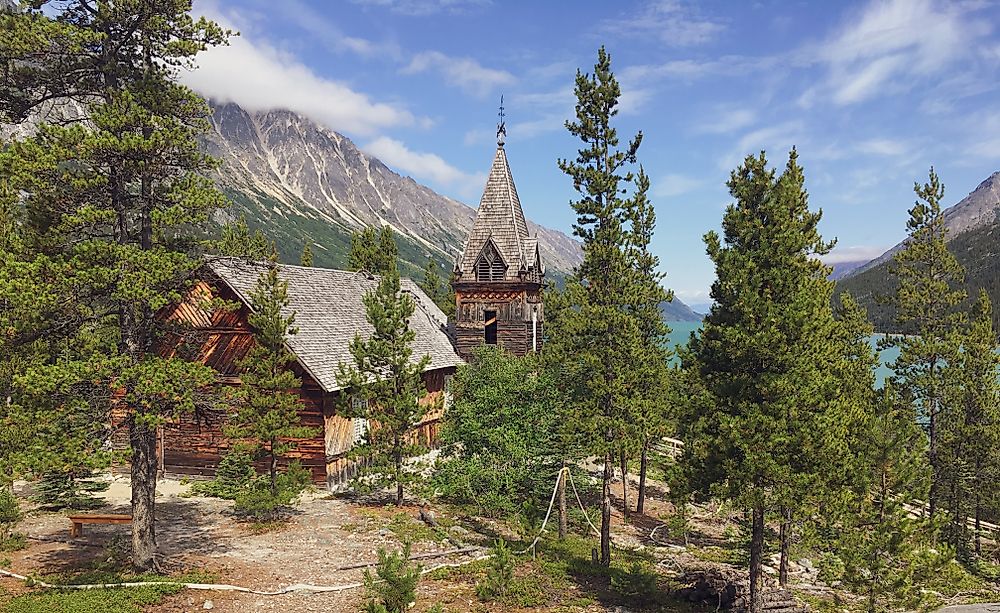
(258, 76)
(891, 45)
(425, 166)
(777, 140)
(674, 185)
(673, 22)
(853, 253)
(316, 23)
(727, 120)
(885, 147)
(465, 73)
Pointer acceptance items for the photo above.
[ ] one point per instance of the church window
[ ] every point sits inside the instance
(491, 327)
(490, 266)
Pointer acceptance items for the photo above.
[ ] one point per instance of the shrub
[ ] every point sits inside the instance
(259, 502)
(69, 490)
(499, 573)
(393, 587)
(10, 514)
(234, 476)
(637, 584)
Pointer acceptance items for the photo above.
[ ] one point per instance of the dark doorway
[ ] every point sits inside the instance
(491, 327)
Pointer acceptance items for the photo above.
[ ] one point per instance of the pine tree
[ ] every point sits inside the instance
(437, 290)
(927, 317)
(389, 380)
(764, 393)
(970, 438)
(307, 256)
(373, 250)
(265, 413)
(238, 241)
(115, 204)
(599, 337)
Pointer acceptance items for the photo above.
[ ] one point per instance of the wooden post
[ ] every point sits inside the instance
(562, 501)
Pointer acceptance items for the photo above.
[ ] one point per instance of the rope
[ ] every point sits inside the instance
(552, 501)
(580, 502)
(222, 587)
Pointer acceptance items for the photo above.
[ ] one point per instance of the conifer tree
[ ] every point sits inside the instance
(307, 256)
(389, 380)
(927, 317)
(238, 241)
(758, 421)
(373, 250)
(437, 290)
(969, 440)
(599, 339)
(265, 412)
(116, 201)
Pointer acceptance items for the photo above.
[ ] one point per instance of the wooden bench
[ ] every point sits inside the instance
(78, 520)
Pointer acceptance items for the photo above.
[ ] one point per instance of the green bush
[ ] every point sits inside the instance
(69, 490)
(259, 502)
(10, 514)
(393, 587)
(234, 475)
(637, 584)
(499, 573)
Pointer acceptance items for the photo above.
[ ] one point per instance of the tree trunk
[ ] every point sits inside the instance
(756, 560)
(274, 470)
(398, 457)
(562, 502)
(623, 463)
(932, 448)
(606, 509)
(785, 536)
(978, 526)
(142, 439)
(640, 503)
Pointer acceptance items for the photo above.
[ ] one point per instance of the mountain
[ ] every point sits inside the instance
(300, 181)
(973, 236)
(845, 269)
(678, 311)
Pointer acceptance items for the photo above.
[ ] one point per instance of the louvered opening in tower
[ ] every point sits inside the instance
(490, 266)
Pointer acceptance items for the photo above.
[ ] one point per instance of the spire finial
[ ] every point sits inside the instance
(501, 127)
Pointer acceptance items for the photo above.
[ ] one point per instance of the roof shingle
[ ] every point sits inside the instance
(329, 312)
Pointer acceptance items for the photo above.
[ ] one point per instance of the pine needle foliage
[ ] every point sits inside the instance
(927, 310)
(264, 420)
(388, 380)
(373, 250)
(602, 329)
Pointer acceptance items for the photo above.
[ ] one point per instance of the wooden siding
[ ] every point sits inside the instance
(193, 444)
(513, 304)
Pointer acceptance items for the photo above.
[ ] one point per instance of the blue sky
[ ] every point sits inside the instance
(872, 93)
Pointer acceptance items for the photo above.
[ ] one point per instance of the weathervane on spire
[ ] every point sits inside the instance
(501, 127)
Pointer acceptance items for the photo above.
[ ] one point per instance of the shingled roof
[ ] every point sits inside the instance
(500, 220)
(329, 312)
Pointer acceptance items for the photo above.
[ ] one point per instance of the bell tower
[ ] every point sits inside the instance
(498, 277)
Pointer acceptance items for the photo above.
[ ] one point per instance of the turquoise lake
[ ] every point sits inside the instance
(681, 332)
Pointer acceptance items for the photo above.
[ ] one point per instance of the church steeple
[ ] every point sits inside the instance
(498, 277)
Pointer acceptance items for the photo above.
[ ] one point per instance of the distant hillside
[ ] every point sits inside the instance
(973, 236)
(678, 311)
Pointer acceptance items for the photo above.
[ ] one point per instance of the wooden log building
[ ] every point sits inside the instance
(498, 277)
(328, 314)
(498, 292)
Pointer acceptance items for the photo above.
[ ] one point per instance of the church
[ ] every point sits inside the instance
(498, 276)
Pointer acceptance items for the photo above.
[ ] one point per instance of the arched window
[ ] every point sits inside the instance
(490, 266)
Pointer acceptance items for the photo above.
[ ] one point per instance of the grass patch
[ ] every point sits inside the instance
(118, 600)
(14, 542)
(409, 530)
(256, 527)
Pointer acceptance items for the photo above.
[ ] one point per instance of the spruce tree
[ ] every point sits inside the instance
(928, 319)
(265, 412)
(438, 290)
(116, 202)
(238, 241)
(373, 250)
(307, 256)
(600, 338)
(759, 420)
(389, 380)
(970, 463)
